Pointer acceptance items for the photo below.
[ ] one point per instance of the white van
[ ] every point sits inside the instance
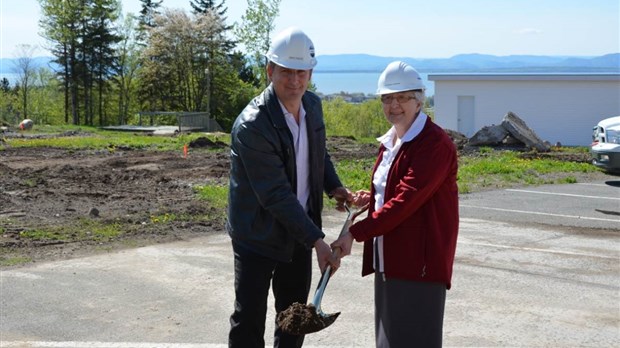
(605, 148)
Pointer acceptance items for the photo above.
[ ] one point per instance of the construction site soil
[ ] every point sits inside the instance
(61, 203)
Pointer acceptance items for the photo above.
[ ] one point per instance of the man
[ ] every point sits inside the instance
(279, 171)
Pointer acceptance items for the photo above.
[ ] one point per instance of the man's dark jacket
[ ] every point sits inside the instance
(264, 214)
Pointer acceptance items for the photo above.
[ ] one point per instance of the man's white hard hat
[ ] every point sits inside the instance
(399, 77)
(292, 49)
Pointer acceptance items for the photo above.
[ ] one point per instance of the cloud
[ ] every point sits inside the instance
(528, 31)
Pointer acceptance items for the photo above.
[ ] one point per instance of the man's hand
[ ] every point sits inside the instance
(342, 196)
(324, 256)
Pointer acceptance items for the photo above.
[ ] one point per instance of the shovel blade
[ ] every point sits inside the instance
(327, 320)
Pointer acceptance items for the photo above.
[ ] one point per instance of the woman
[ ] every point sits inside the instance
(411, 229)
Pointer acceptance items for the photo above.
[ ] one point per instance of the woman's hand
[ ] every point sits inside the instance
(360, 198)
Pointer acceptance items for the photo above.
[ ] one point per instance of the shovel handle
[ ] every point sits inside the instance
(347, 224)
(359, 211)
(318, 295)
(350, 217)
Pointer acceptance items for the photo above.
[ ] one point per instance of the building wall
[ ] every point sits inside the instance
(556, 110)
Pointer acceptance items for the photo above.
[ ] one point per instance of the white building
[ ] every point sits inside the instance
(557, 107)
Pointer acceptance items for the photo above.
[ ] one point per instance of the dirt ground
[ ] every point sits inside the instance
(72, 192)
(78, 191)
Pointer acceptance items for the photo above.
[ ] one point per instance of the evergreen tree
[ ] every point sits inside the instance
(5, 86)
(148, 82)
(148, 12)
(128, 64)
(60, 22)
(104, 40)
(217, 55)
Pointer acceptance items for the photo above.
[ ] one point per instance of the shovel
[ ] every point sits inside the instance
(301, 319)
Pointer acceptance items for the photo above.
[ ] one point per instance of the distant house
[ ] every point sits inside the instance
(557, 107)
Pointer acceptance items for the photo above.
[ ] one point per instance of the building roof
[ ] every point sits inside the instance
(525, 77)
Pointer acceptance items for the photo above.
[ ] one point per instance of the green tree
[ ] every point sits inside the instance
(46, 102)
(82, 37)
(217, 55)
(5, 85)
(177, 50)
(128, 63)
(244, 69)
(60, 22)
(146, 20)
(358, 120)
(148, 76)
(232, 94)
(255, 31)
(25, 70)
(8, 98)
(203, 7)
(99, 56)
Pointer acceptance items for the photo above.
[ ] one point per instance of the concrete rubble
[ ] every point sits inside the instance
(513, 131)
(517, 128)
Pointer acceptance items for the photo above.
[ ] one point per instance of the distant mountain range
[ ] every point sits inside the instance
(459, 63)
(7, 65)
(473, 63)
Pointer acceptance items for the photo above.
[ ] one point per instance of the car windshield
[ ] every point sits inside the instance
(613, 135)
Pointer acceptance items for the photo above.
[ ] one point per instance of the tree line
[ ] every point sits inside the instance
(109, 66)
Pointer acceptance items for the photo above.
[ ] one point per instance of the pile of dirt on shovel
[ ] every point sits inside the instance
(300, 316)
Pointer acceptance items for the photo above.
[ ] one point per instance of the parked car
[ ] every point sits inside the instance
(605, 148)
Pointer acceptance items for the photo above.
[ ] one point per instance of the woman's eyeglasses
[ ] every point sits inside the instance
(387, 99)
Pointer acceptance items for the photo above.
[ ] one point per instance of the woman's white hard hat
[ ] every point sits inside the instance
(292, 49)
(399, 77)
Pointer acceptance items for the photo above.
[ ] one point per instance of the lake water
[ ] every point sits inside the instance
(330, 82)
(356, 82)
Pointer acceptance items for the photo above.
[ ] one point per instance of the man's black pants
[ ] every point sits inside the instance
(253, 274)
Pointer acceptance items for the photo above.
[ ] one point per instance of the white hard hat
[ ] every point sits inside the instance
(292, 49)
(399, 77)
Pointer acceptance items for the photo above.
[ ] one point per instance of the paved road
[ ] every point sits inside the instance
(588, 205)
(521, 279)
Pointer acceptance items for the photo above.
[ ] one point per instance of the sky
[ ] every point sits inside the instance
(400, 28)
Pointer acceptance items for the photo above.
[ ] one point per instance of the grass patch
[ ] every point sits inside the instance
(164, 218)
(216, 195)
(8, 260)
(168, 218)
(92, 138)
(85, 230)
(500, 169)
(490, 169)
(30, 183)
(355, 174)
